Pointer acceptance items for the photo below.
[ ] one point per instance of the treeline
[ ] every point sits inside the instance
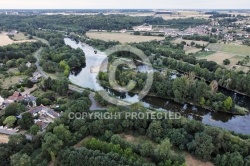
(16, 51)
(99, 44)
(78, 24)
(185, 23)
(81, 24)
(200, 38)
(217, 15)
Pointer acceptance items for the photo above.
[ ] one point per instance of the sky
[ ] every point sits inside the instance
(124, 4)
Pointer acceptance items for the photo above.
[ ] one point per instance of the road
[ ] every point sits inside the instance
(94, 105)
(39, 68)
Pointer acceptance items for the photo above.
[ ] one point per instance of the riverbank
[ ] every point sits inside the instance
(242, 111)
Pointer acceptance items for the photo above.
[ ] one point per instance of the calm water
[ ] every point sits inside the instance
(87, 79)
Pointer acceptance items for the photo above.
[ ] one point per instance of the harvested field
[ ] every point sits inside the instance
(5, 40)
(4, 138)
(121, 37)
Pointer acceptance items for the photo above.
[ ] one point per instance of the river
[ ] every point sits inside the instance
(86, 77)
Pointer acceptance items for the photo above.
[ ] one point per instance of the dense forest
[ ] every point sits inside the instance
(81, 24)
(101, 140)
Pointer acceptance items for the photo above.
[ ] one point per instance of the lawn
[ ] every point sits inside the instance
(121, 37)
(7, 82)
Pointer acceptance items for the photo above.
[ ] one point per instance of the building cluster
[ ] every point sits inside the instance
(43, 115)
(19, 97)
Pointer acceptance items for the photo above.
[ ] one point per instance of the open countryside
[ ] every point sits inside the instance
(60, 105)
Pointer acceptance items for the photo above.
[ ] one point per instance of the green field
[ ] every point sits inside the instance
(230, 48)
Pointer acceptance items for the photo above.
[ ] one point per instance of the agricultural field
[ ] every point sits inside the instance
(230, 48)
(4, 138)
(185, 14)
(5, 40)
(191, 50)
(121, 37)
(219, 56)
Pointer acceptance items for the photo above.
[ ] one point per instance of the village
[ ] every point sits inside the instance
(42, 115)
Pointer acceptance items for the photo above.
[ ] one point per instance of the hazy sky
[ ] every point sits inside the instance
(124, 4)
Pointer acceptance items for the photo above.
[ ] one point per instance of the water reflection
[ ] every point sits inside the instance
(85, 78)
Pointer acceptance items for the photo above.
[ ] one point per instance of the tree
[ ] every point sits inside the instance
(19, 159)
(29, 84)
(26, 121)
(155, 130)
(146, 149)
(202, 146)
(228, 104)
(9, 121)
(51, 144)
(137, 33)
(16, 139)
(229, 159)
(162, 151)
(34, 129)
(214, 30)
(62, 133)
(14, 109)
(226, 62)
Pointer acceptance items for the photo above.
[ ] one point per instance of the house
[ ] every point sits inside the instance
(35, 77)
(30, 99)
(45, 115)
(41, 124)
(45, 111)
(17, 96)
(143, 27)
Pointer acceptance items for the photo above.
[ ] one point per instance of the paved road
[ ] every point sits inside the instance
(39, 68)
